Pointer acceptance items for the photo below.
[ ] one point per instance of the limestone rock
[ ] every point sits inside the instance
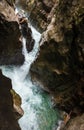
(38, 11)
(17, 104)
(60, 63)
(26, 33)
(10, 45)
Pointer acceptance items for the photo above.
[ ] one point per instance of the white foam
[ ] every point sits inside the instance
(25, 87)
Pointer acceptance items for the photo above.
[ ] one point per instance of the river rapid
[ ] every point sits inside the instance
(38, 111)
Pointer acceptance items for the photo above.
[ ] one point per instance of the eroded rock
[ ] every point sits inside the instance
(17, 104)
(38, 11)
(26, 33)
(10, 44)
(60, 63)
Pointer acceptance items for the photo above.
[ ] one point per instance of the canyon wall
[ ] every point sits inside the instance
(59, 66)
(10, 54)
(60, 63)
(10, 44)
(8, 117)
(38, 12)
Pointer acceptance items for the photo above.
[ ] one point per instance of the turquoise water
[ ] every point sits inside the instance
(38, 111)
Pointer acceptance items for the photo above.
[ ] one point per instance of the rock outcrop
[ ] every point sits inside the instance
(17, 104)
(10, 44)
(60, 64)
(8, 119)
(38, 12)
(26, 33)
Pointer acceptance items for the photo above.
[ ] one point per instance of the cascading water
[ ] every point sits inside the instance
(38, 113)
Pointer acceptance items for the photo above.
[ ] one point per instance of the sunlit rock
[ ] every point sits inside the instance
(17, 104)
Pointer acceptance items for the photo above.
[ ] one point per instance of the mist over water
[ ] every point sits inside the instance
(38, 112)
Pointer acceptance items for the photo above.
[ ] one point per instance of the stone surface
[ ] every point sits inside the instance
(60, 63)
(7, 115)
(10, 44)
(76, 124)
(26, 33)
(17, 104)
(38, 12)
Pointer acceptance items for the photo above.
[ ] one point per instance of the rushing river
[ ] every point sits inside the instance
(38, 111)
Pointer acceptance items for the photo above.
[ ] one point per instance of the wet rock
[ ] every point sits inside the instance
(7, 116)
(17, 104)
(38, 11)
(26, 33)
(30, 41)
(60, 63)
(10, 45)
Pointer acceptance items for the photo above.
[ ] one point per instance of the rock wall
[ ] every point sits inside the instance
(60, 64)
(38, 12)
(26, 33)
(10, 44)
(8, 119)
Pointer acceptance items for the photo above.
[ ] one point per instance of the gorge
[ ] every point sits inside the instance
(55, 65)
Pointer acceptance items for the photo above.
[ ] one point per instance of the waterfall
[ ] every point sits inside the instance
(38, 113)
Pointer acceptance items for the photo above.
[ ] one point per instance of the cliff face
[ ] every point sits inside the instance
(10, 45)
(38, 12)
(7, 115)
(60, 64)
